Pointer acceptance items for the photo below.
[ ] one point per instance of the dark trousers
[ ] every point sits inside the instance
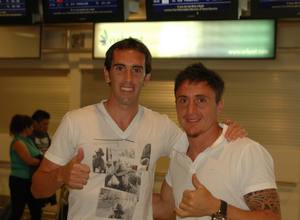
(20, 196)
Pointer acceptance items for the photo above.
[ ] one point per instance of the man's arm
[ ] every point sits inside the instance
(50, 176)
(263, 205)
(163, 203)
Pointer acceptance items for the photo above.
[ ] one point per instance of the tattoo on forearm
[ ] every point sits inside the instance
(263, 200)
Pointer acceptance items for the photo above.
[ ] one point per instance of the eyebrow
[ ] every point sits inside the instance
(202, 96)
(133, 66)
(181, 96)
(141, 66)
(118, 64)
(196, 96)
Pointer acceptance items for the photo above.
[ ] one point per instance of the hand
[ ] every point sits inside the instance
(234, 130)
(75, 174)
(198, 202)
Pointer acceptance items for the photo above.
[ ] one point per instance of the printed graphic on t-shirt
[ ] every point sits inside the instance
(99, 161)
(115, 204)
(145, 158)
(122, 173)
(122, 162)
(42, 143)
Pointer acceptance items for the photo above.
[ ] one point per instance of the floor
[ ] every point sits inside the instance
(49, 212)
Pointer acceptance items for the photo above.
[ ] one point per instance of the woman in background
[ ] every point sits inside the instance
(24, 157)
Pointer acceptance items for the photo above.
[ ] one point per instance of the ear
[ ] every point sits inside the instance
(106, 76)
(220, 106)
(147, 78)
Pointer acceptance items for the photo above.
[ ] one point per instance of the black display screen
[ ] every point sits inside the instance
(83, 10)
(275, 8)
(167, 10)
(15, 12)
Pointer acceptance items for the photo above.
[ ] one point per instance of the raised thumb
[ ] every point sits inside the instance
(196, 182)
(79, 156)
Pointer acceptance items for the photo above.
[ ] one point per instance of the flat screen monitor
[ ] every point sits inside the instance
(174, 10)
(226, 39)
(275, 8)
(16, 12)
(64, 11)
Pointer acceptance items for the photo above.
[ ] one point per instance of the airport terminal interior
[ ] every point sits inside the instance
(58, 66)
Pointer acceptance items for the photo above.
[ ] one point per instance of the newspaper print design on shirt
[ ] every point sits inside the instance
(122, 162)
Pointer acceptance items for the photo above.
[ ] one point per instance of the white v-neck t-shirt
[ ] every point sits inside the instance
(229, 170)
(122, 163)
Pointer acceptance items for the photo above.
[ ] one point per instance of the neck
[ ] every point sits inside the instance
(121, 114)
(23, 134)
(204, 140)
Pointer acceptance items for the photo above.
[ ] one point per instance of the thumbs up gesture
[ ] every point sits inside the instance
(197, 202)
(75, 174)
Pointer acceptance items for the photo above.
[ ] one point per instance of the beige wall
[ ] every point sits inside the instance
(262, 95)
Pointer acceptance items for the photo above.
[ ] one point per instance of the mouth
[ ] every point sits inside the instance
(126, 89)
(192, 120)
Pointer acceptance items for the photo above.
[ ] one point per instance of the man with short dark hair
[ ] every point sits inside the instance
(42, 141)
(210, 178)
(40, 134)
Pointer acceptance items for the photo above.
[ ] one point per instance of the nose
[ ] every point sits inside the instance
(128, 75)
(191, 107)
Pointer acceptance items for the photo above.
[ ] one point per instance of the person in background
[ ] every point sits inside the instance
(24, 157)
(122, 129)
(210, 178)
(40, 134)
(42, 140)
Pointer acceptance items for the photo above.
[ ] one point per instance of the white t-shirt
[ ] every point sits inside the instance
(229, 170)
(122, 163)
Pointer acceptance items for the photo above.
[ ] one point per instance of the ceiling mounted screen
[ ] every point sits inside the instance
(15, 12)
(175, 10)
(60, 11)
(275, 8)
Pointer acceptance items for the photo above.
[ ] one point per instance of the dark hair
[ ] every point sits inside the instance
(19, 123)
(127, 44)
(198, 73)
(40, 115)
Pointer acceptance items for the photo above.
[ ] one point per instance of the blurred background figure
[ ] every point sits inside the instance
(24, 158)
(40, 136)
(42, 140)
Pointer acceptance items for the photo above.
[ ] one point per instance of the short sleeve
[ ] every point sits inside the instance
(62, 147)
(256, 169)
(173, 135)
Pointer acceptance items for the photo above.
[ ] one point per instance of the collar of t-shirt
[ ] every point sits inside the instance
(126, 133)
(183, 147)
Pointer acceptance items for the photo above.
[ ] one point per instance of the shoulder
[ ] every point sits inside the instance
(19, 140)
(82, 111)
(246, 156)
(153, 115)
(246, 147)
(244, 144)
(161, 122)
(82, 114)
